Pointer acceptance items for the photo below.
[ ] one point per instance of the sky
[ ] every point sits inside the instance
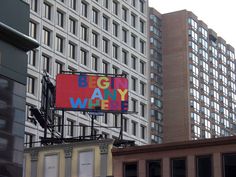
(217, 14)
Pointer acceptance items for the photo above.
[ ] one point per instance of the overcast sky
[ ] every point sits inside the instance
(217, 14)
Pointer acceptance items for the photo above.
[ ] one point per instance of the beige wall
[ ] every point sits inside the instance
(99, 148)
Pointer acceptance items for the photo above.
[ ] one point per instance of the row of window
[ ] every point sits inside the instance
(47, 12)
(179, 167)
(72, 130)
(96, 38)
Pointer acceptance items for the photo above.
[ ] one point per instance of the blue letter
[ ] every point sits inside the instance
(97, 94)
(78, 103)
(82, 81)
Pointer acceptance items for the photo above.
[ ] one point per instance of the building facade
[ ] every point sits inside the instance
(91, 158)
(14, 45)
(156, 76)
(209, 157)
(101, 36)
(199, 80)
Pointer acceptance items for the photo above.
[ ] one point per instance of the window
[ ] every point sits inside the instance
(133, 82)
(72, 25)
(60, 20)
(28, 140)
(58, 123)
(142, 26)
(29, 115)
(130, 170)
(105, 22)
(95, 39)
(115, 29)
(133, 20)
(83, 130)
(142, 46)
(143, 132)
(95, 16)
(133, 62)
(46, 64)
(125, 57)
(115, 7)
(142, 67)
(134, 128)
(70, 128)
(32, 58)
(46, 37)
(125, 124)
(133, 3)
(115, 51)
(115, 70)
(105, 45)
(58, 68)
(229, 165)
(105, 118)
(142, 109)
(47, 11)
(106, 3)
(59, 44)
(95, 63)
(178, 168)
(141, 6)
(84, 9)
(124, 13)
(154, 168)
(115, 120)
(72, 50)
(142, 88)
(73, 4)
(83, 57)
(33, 30)
(204, 166)
(34, 5)
(31, 85)
(124, 35)
(133, 41)
(105, 67)
(134, 105)
(84, 33)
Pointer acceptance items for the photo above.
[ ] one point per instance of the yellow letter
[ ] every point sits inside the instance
(104, 104)
(103, 82)
(122, 93)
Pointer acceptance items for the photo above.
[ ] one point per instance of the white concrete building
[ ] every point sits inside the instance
(105, 36)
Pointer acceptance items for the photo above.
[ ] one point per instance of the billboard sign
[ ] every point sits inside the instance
(91, 93)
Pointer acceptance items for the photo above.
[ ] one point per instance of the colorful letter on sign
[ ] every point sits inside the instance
(90, 92)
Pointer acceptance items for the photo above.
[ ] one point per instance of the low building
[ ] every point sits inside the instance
(83, 159)
(199, 158)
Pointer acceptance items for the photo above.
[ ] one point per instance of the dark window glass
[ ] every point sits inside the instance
(154, 168)
(130, 170)
(204, 165)
(229, 165)
(178, 168)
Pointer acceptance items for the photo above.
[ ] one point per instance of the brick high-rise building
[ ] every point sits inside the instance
(156, 76)
(199, 80)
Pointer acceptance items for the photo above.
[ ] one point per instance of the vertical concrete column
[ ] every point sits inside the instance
(104, 156)
(34, 163)
(166, 167)
(216, 163)
(68, 159)
(190, 166)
